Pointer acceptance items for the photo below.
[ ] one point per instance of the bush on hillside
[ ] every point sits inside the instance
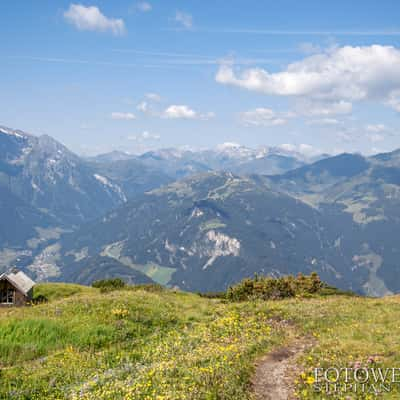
(108, 285)
(148, 287)
(268, 288)
(212, 295)
(39, 299)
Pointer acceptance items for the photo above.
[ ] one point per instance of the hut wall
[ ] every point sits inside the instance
(6, 290)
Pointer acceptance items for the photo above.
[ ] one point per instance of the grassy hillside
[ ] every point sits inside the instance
(57, 290)
(141, 344)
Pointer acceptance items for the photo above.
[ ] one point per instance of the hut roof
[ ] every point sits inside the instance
(20, 280)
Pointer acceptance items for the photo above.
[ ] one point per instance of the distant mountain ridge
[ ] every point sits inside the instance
(46, 190)
(232, 157)
(199, 220)
(50, 177)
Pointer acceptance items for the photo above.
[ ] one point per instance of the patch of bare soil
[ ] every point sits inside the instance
(276, 371)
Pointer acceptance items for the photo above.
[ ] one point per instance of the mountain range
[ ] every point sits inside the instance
(198, 220)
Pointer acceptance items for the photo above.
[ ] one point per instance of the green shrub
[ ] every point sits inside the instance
(148, 287)
(213, 295)
(40, 299)
(267, 288)
(108, 285)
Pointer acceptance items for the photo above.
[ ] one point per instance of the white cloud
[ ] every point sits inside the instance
(376, 132)
(153, 97)
(208, 115)
(123, 116)
(341, 75)
(91, 19)
(144, 6)
(351, 134)
(261, 117)
(143, 106)
(309, 48)
(345, 136)
(288, 147)
(184, 112)
(394, 100)
(186, 20)
(145, 135)
(324, 121)
(376, 128)
(308, 150)
(177, 111)
(375, 137)
(148, 106)
(313, 108)
(303, 148)
(151, 107)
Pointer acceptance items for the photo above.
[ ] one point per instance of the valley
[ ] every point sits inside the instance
(199, 221)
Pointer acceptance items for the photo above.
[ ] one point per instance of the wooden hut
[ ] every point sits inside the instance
(16, 289)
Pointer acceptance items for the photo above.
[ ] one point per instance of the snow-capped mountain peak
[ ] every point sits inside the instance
(13, 132)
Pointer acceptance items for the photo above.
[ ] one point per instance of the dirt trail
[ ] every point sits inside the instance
(276, 371)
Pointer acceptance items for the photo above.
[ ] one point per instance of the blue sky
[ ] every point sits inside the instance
(126, 75)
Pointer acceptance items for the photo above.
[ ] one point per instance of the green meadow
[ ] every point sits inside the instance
(153, 343)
